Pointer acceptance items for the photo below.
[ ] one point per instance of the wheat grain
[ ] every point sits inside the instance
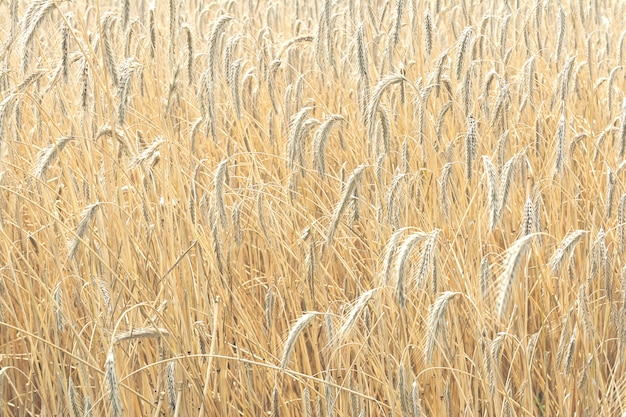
(610, 192)
(470, 145)
(562, 27)
(73, 400)
(294, 333)
(528, 217)
(512, 265)
(503, 30)
(385, 128)
(47, 156)
(622, 131)
(404, 402)
(440, 118)
(621, 222)
(295, 142)
(141, 333)
(33, 18)
(492, 187)
(86, 216)
(275, 404)
(467, 89)
(567, 361)
(463, 43)
(427, 264)
(416, 405)
(352, 183)
(401, 263)
(87, 408)
(354, 313)
(107, 22)
(435, 322)
(170, 371)
(307, 410)
(372, 107)
(565, 249)
(269, 309)
(428, 32)
(112, 382)
(329, 394)
(320, 141)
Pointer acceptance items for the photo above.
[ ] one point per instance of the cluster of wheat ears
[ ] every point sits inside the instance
(312, 208)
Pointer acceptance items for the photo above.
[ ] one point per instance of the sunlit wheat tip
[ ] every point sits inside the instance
(294, 333)
(401, 264)
(355, 312)
(435, 322)
(512, 266)
(565, 249)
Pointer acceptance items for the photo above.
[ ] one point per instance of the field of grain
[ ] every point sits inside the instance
(312, 208)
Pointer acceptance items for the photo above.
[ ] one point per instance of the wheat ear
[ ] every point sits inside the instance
(435, 322)
(512, 265)
(295, 332)
(351, 185)
(401, 263)
(112, 382)
(320, 141)
(354, 314)
(566, 248)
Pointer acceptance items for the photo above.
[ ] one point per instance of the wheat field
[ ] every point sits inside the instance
(312, 208)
